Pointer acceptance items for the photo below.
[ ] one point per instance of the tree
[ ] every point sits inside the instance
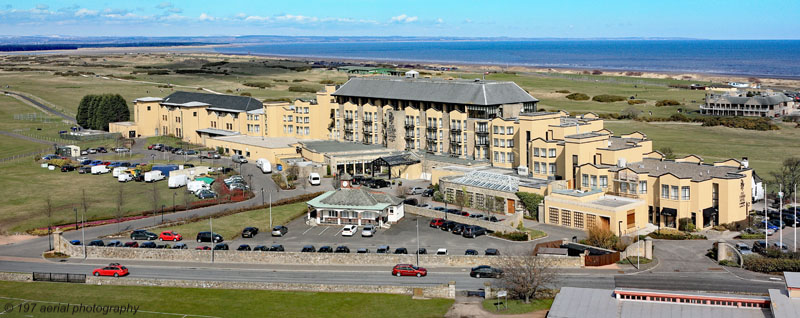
(788, 175)
(601, 237)
(531, 202)
(667, 152)
(526, 276)
(96, 111)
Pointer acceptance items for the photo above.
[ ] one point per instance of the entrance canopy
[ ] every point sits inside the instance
(669, 212)
(405, 159)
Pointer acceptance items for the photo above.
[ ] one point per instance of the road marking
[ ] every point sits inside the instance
(323, 230)
(339, 231)
(309, 229)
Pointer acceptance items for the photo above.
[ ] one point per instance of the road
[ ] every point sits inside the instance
(42, 106)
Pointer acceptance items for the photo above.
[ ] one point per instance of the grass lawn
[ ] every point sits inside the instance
(15, 146)
(231, 226)
(517, 306)
(765, 150)
(222, 302)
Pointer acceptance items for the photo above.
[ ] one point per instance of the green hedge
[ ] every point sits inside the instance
(667, 102)
(636, 101)
(605, 98)
(258, 84)
(755, 236)
(513, 236)
(762, 264)
(674, 236)
(577, 96)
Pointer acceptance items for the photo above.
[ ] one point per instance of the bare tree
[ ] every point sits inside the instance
(187, 199)
(526, 276)
(401, 191)
(118, 214)
(788, 175)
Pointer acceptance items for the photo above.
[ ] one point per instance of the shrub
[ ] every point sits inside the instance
(605, 98)
(600, 237)
(512, 236)
(245, 94)
(258, 84)
(636, 101)
(753, 236)
(728, 263)
(327, 82)
(758, 263)
(297, 80)
(280, 81)
(633, 73)
(577, 96)
(670, 234)
(667, 102)
(562, 91)
(531, 202)
(597, 72)
(303, 89)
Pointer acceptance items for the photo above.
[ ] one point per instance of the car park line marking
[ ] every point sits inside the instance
(323, 231)
(309, 229)
(339, 231)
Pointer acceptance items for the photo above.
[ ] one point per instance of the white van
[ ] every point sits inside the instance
(264, 165)
(153, 176)
(314, 178)
(194, 186)
(177, 181)
(124, 177)
(118, 171)
(100, 169)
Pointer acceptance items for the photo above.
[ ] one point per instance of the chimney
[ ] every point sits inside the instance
(745, 162)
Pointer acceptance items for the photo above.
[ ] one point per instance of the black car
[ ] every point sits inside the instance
(458, 229)
(162, 246)
(262, 248)
(448, 225)
(243, 247)
(378, 183)
(143, 235)
(358, 180)
(362, 251)
(206, 237)
(102, 149)
(411, 201)
(249, 231)
(485, 271)
(325, 249)
(308, 249)
(276, 248)
(85, 170)
(180, 246)
(470, 252)
(188, 165)
(427, 193)
(473, 231)
(342, 249)
(114, 243)
(491, 251)
(383, 249)
(453, 211)
(97, 243)
(67, 167)
(147, 245)
(490, 218)
(221, 247)
(401, 250)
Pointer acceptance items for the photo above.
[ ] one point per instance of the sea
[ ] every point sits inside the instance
(756, 58)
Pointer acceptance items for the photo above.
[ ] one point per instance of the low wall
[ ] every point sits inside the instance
(494, 226)
(439, 291)
(16, 277)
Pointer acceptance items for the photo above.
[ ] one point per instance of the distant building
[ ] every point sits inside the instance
(739, 104)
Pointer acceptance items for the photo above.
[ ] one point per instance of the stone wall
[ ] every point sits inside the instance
(16, 277)
(641, 249)
(494, 226)
(439, 291)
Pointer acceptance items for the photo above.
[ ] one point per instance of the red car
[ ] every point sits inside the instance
(464, 213)
(105, 163)
(170, 236)
(113, 269)
(408, 270)
(203, 248)
(437, 222)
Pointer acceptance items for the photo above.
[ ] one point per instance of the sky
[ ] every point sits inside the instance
(705, 19)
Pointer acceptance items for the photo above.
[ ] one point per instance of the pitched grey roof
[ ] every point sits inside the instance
(359, 197)
(231, 102)
(475, 92)
(772, 99)
(683, 170)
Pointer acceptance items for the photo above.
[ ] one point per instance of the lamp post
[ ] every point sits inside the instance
(173, 200)
(417, 220)
(152, 158)
(83, 233)
(270, 210)
(780, 216)
(211, 227)
(162, 214)
(250, 179)
(76, 217)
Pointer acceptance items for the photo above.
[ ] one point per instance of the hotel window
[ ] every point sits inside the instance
(305, 110)
(213, 124)
(305, 120)
(496, 156)
(148, 107)
(674, 193)
(566, 218)
(510, 143)
(307, 131)
(594, 181)
(502, 142)
(643, 187)
(536, 167)
(578, 219)
(586, 180)
(552, 153)
(535, 152)
(623, 187)
(553, 168)
(510, 157)
(496, 142)
(510, 130)
(440, 123)
(194, 114)
(553, 216)
(590, 221)
(440, 147)
(664, 191)
(291, 118)
(603, 181)
(164, 117)
(290, 129)
(685, 193)
(496, 129)
(177, 119)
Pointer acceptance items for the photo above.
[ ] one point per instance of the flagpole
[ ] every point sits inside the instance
(780, 218)
(766, 220)
(794, 219)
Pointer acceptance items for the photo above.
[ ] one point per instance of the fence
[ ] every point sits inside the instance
(551, 244)
(601, 260)
(88, 137)
(59, 277)
(25, 155)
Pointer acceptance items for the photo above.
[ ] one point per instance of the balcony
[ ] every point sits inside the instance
(409, 125)
(431, 128)
(368, 122)
(455, 130)
(348, 119)
(482, 143)
(482, 132)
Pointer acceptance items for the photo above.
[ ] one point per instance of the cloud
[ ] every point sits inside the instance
(403, 18)
(83, 12)
(467, 21)
(165, 5)
(296, 18)
(439, 21)
(175, 10)
(42, 7)
(205, 17)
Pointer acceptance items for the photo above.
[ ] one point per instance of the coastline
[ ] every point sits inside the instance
(209, 51)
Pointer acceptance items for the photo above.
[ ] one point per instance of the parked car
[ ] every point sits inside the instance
(780, 246)
(249, 232)
(203, 248)
(476, 216)
(383, 249)
(314, 179)
(209, 155)
(491, 251)
(206, 194)
(91, 150)
(401, 250)
(276, 248)
(190, 152)
(114, 243)
(262, 248)
(427, 193)
(490, 218)
(485, 271)
(441, 251)
(308, 249)
(125, 177)
(206, 237)
(368, 231)
(362, 251)
(131, 244)
(180, 246)
(239, 159)
(221, 247)
(147, 244)
(424, 206)
(96, 243)
(325, 249)
(408, 270)
(280, 230)
(75, 242)
(115, 270)
(342, 249)
(243, 247)
(470, 252)
(778, 223)
(415, 191)
(67, 168)
(85, 170)
(422, 251)
(439, 208)
(744, 248)
(769, 225)
(473, 231)
(170, 236)
(264, 165)
(349, 230)
(121, 149)
(143, 235)
(378, 183)
(436, 223)
(411, 201)
(459, 229)
(102, 150)
(448, 226)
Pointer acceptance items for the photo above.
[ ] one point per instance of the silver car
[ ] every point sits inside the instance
(368, 231)
(239, 159)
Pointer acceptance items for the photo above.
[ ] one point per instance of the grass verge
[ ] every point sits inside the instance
(516, 307)
(222, 302)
